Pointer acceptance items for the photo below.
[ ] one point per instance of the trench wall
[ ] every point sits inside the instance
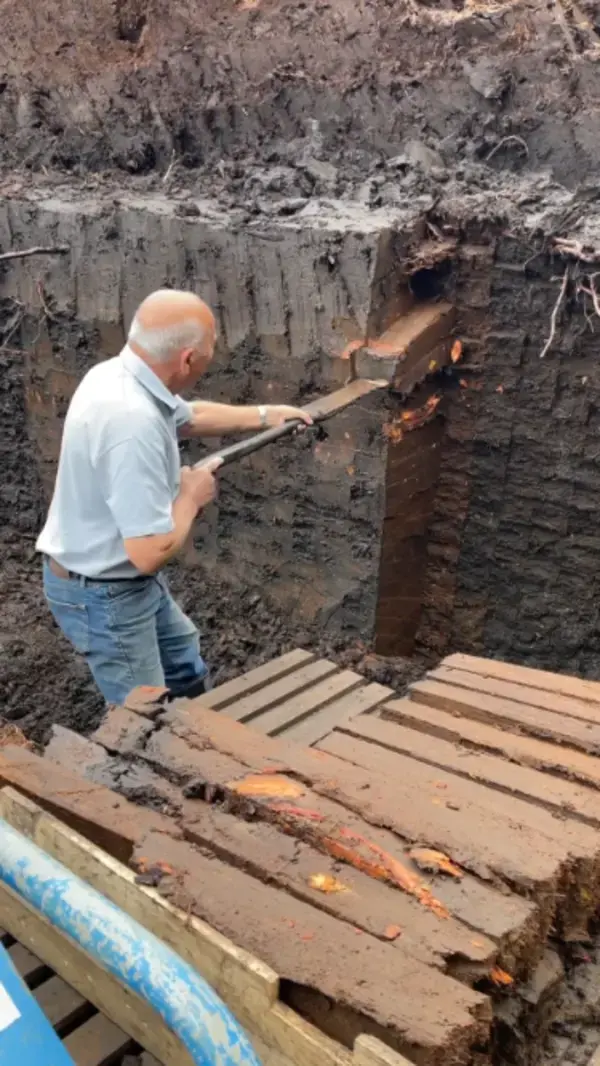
(300, 522)
(514, 547)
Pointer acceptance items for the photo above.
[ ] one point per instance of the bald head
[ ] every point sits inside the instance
(170, 322)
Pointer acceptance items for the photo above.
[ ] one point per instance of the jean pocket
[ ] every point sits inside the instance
(73, 620)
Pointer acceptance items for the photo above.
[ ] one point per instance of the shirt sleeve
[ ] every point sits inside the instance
(184, 412)
(134, 475)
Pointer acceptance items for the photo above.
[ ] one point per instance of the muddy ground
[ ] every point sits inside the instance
(234, 98)
(42, 682)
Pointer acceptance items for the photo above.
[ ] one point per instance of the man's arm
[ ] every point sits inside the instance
(134, 479)
(151, 552)
(218, 419)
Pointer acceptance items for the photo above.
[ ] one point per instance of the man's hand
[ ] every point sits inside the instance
(197, 488)
(277, 414)
(200, 485)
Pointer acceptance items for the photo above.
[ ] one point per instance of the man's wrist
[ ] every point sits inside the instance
(263, 416)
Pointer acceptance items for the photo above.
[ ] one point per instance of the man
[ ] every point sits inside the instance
(123, 507)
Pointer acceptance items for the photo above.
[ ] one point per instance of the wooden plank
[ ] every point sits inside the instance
(306, 703)
(225, 967)
(361, 701)
(565, 797)
(520, 716)
(98, 1042)
(244, 710)
(30, 968)
(540, 754)
(223, 695)
(281, 1037)
(510, 690)
(88, 978)
(524, 675)
(61, 1004)
(371, 1052)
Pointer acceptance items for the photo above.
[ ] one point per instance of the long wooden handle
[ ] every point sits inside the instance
(251, 444)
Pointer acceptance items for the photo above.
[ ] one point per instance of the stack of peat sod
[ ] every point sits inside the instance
(409, 869)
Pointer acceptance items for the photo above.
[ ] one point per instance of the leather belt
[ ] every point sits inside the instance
(69, 575)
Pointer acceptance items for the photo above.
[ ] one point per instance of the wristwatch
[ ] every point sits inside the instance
(262, 414)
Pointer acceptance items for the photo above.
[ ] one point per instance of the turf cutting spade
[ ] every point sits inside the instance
(416, 345)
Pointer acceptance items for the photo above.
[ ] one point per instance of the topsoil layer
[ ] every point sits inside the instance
(244, 97)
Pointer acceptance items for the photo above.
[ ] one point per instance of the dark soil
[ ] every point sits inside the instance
(213, 93)
(43, 682)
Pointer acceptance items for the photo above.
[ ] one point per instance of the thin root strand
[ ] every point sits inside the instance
(555, 312)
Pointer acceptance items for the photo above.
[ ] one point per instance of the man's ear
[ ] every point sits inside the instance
(186, 360)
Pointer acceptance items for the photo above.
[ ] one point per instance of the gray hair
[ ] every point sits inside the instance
(160, 345)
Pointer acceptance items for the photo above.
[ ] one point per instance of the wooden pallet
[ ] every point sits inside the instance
(492, 768)
(249, 987)
(298, 695)
(90, 1038)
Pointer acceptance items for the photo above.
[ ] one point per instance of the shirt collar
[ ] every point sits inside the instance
(146, 377)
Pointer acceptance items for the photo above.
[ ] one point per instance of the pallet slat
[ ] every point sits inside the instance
(61, 1004)
(98, 1042)
(361, 701)
(263, 699)
(27, 965)
(221, 696)
(306, 703)
(81, 972)
(525, 675)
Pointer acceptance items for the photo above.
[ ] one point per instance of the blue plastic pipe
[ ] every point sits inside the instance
(125, 949)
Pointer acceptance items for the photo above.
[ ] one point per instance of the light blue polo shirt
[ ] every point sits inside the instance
(118, 471)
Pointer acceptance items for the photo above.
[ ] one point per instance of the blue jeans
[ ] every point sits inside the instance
(130, 632)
